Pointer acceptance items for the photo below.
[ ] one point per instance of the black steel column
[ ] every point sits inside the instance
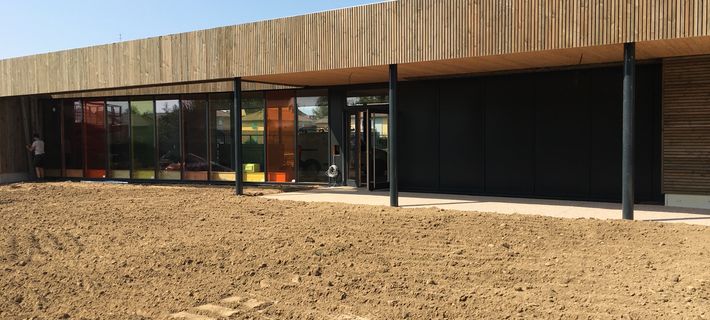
(627, 162)
(392, 134)
(237, 133)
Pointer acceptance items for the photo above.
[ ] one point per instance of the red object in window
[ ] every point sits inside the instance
(94, 139)
(280, 136)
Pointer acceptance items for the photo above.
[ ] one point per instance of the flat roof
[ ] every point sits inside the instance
(354, 45)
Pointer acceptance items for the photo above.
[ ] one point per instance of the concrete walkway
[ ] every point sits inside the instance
(552, 208)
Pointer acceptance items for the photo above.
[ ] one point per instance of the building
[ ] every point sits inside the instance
(497, 97)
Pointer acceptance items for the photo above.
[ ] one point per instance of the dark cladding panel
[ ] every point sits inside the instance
(336, 106)
(562, 130)
(461, 139)
(509, 135)
(604, 96)
(418, 136)
(648, 133)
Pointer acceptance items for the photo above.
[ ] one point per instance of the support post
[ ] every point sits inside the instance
(627, 162)
(237, 133)
(392, 134)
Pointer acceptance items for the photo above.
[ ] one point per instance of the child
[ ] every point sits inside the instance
(38, 148)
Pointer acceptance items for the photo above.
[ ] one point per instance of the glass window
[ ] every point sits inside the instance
(73, 138)
(368, 98)
(167, 113)
(313, 134)
(118, 118)
(95, 132)
(194, 110)
(143, 139)
(221, 129)
(52, 136)
(280, 136)
(253, 136)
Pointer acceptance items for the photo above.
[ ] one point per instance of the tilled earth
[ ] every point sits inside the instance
(90, 251)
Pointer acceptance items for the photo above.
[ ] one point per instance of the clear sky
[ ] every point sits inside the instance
(38, 26)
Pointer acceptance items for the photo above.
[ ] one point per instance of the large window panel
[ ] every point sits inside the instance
(73, 138)
(95, 133)
(167, 112)
(313, 133)
(118, 118)
(280, 136)
(222, 147)
(143, 139)
(52, 136)
(195, 137)
(253, 105)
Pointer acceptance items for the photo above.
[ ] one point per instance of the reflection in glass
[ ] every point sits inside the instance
(143, 139)
(73, 138)
(357, 149)
(194, 110)
(280, 136)
(221, 128)
(95, 131)
(368, 98)
(52, 136)
(118, 118)
(313, 136)
(253, 136)
(379, 142)
(167, 113)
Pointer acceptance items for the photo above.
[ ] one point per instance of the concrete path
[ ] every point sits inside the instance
(552, 208)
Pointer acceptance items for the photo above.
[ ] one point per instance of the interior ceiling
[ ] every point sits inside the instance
(480, 65)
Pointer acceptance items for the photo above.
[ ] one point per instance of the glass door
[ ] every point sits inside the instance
(357, 148)
(368, 145)
(378, 150)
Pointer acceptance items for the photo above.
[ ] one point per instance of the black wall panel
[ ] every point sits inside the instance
(547, 134)
(509, 135)
(562, 130)
(648, 133)
(461, 138)
(418, 133)
(604, 97)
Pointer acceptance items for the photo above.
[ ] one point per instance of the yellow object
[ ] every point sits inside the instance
(170, 175)
(223, 176)
(120, 174)
(254, 177)
(143, 174)
(251, 167)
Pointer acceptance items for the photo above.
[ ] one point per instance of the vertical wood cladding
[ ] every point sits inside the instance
(686, 125)
(13, 156)
(379, 34)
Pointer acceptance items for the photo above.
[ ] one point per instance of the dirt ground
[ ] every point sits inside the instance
(91, 251)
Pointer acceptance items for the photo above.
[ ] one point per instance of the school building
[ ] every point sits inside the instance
(604, 100)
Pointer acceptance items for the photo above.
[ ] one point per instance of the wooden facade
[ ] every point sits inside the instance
(404, 31)
(686, 125)
(204, 87)
(15, 133)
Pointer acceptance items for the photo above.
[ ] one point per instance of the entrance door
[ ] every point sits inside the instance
(368, 145)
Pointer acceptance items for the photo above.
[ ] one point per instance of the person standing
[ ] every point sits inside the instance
(37, 148)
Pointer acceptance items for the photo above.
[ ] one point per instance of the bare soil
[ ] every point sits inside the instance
(90, 251)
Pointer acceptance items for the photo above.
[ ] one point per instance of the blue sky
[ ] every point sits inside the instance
(38, 26)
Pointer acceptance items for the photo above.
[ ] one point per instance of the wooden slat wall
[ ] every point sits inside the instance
(402, 31)
(686, 125)
(203, 87)
(13, 156)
